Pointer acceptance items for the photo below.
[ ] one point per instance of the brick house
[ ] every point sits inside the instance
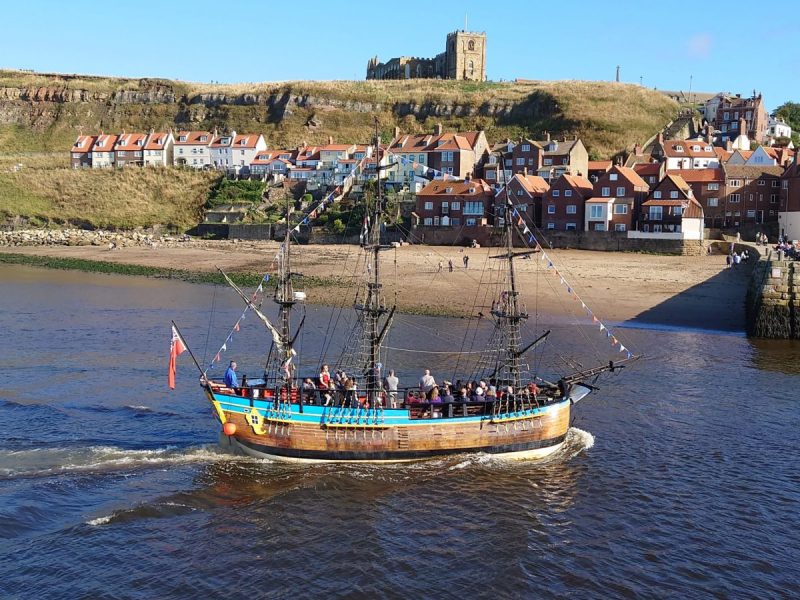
(456, 204)
(563, 205)
(617, 198)
(671, 211)
(526, 156)
(81, 153)
(526, 193)
(598, 168)
(708, 188)
(752, 195)
(652, 173)
(129, 149)
(159, 149)
(752, 110)
(789, 216)
(563, 157)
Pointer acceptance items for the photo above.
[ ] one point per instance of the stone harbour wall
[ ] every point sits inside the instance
(773, 299)
(82, 237)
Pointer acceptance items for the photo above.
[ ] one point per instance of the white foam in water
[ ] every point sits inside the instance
(48, 461)
(99, 521)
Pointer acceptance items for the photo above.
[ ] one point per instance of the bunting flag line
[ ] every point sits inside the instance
(176, 348)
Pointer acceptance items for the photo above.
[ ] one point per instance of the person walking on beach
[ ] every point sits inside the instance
(729, 261)
(466, 261)
(737, 259)
(450, 265)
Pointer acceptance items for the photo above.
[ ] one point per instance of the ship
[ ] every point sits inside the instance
(504, 410)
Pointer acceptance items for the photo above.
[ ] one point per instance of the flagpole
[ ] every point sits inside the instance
(197, 364)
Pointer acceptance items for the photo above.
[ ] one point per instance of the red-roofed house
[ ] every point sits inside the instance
(193, 149)
(526, 193)
(103, 151)
(617, 197)
(708, 187)
(159, 149)
(129, 149)
(563, 205)
(271, 162)
(81, 153)
(652, 172)
(671, 212)
(598, 168)
(244, 149)
(689, 154)
(221, 150)
(455, 204)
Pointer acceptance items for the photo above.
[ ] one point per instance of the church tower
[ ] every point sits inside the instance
(465, 56)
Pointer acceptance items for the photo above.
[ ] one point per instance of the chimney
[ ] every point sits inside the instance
(547, 136)
(637, 149)
(437, 129)
(330, 140)
(728, 145)
(396, 132)
(660, 138)
(742, 126)
(709, 134)
(525, 171)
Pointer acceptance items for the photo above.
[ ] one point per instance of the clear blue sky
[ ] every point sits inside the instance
(735, 46)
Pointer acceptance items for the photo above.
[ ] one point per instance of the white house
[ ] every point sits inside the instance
(220, 150)
(777, 128)
(103, 151)
(689, 154)
(193, 149)
(244, 149)
(598, 214)
(158, 149)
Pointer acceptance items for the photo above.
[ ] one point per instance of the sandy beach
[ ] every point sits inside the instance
(681, 291)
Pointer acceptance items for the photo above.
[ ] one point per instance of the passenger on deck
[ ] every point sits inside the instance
(349, 392)
(427, 383)
(491, 393)
(390, 385)
(448, 395)
(230, 379)
(324, 378)
(435, 397)
(309, 390)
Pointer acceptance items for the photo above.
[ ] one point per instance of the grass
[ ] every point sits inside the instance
(108, 199)
(609, 117)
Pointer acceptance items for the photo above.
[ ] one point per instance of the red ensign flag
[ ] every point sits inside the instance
(176, 348)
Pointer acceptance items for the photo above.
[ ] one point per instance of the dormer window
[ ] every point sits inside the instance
(709, 149)
(448, 190)
(182, 138)
(203, 138)
(678, 148)
(140, 142)
(695, 148)
(472, 190)
(242, 142)
(492, 160)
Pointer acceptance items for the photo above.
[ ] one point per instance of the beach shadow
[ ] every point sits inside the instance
(716, 304)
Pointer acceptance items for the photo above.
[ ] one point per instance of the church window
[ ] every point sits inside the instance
(471, 45)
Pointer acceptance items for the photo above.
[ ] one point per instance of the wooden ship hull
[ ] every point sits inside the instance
(333, 433)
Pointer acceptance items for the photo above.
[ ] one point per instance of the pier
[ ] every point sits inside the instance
(773, 299)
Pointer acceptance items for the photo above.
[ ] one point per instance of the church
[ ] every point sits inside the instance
(464, 58)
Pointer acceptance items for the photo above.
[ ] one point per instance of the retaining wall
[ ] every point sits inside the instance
(773, 299)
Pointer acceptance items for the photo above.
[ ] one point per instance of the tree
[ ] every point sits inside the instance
(790, 112)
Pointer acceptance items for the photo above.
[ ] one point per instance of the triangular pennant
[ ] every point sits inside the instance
(225, 346)
(217, 358)
(236, 327)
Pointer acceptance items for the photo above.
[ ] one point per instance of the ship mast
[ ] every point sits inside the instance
(284, 298)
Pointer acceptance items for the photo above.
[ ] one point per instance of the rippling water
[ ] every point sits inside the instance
(679, 478)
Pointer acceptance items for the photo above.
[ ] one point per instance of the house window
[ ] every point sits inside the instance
(551, 225)
(548, 162)
(725, 130)
(734, 126)
(656, 228)
(526, 147)
(734, 198)
(572, 209)
(572, 226)
(556, 193)
(734, 182)
(677, 211)
(620, 209)
(620, 191)
(775, 183)
(751, 197)
(568, 193)
(522, 208)
(455, 222)
(673, 194)
(596, 211)
(678, 148)
(520, 162)
(447, 157)
(599, 226)
(519, 192)
(761, 182)
(473, 208)
(773, 198)
(456, 205)
(613, 177)
(605, 192)
(428, 221)
(751, 213)
(565, 161)
(655, 213)
(726, 115)
(657, 194)
(445, 207)
(620, 227)
(712, 202)
(551, 209)
(429, 206)
(713, 186)
(436, 221)
(471, 222)
(508, 162)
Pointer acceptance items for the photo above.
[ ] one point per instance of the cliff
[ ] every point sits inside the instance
(45, 112)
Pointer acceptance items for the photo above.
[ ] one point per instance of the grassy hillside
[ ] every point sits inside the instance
(115, 199)
(609, 117)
